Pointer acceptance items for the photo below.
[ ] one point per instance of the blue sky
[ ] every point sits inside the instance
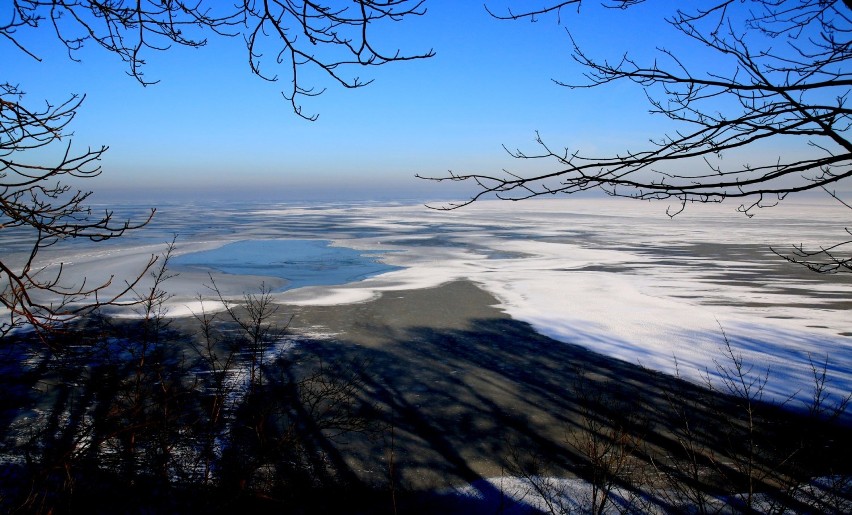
(211, 126)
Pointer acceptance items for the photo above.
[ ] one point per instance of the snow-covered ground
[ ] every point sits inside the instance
(619, 277)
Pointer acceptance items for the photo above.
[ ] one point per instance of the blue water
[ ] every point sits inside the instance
(299, 262)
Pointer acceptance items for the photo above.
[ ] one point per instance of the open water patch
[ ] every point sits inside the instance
(299, 262)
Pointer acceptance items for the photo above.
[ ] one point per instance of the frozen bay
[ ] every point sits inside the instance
(618, 277)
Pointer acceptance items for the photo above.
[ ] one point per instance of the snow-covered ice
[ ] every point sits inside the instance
(618, 277)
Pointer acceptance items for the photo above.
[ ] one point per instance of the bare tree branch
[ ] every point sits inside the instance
(279, 34)
(35, 204)
(787, 82)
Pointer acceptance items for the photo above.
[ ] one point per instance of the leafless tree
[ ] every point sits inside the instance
(40, 212)
(610, 433)
(780, 77)
(39, 207)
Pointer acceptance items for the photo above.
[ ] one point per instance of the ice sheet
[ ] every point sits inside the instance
(618, 277)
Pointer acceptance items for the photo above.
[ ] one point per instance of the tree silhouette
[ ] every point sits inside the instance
(331, 36)
(40, 212)
(786, 80)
